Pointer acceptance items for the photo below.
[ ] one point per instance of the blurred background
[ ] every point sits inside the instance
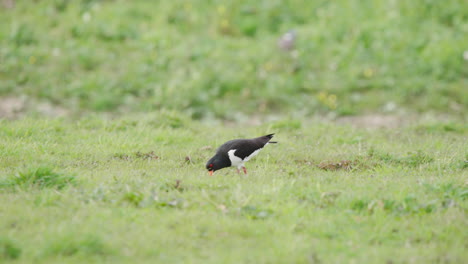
(234, 60)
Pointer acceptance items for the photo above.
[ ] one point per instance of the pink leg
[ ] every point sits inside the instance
(238, 171)
(245, 170)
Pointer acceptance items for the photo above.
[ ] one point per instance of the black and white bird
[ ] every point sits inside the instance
(236, 152)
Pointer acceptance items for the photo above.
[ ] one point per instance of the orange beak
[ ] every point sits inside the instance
(211, 173)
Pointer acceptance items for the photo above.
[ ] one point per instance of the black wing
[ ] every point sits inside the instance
(244, 147)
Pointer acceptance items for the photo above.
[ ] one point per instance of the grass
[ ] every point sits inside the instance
(326, 193)
(143, 85)
(41, 177)
(76, 244)
(8, 249)
(205, 57)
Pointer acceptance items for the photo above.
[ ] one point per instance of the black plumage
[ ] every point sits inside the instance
(236, 152)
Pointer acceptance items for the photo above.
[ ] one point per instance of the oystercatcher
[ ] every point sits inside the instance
(236, 152)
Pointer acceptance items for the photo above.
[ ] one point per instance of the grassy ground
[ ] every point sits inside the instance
(135, 190)
(204, 57)
(129, 186)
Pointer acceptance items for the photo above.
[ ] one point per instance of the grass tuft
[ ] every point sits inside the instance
(256, 213)
(133, 198)
(42, 177)
(9, 250)
(409, 205)
(443, 128)
(412, 158)
(73, 244)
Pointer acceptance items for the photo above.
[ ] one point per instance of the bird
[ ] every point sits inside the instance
(236, 152)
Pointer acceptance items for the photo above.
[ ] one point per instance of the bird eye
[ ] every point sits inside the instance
(211, 166)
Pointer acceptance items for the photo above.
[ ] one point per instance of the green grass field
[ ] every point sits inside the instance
(135, 190)
(207, 57)
(110, 109)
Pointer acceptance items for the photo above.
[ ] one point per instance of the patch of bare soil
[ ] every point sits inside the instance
(363, 163)
(15, 107)
(360, 121)
(374, 121)
(137, 155)
(11, 107)
(8, 4)
(333, 166)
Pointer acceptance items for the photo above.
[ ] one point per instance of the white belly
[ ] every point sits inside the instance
(238, 162)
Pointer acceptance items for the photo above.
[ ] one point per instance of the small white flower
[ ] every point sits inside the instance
(465, 55)
(56, 52)
(287, 41)
(96, 6)
(295, 54)
(390, 106)
(86, 17)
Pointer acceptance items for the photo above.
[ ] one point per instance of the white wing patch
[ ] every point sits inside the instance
(235, 161)
(238, 162)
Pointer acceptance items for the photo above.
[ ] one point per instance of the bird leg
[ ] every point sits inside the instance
(238, 171)
(245, 170)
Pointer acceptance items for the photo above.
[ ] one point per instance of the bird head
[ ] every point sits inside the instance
(210, 168)
(217, 163)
